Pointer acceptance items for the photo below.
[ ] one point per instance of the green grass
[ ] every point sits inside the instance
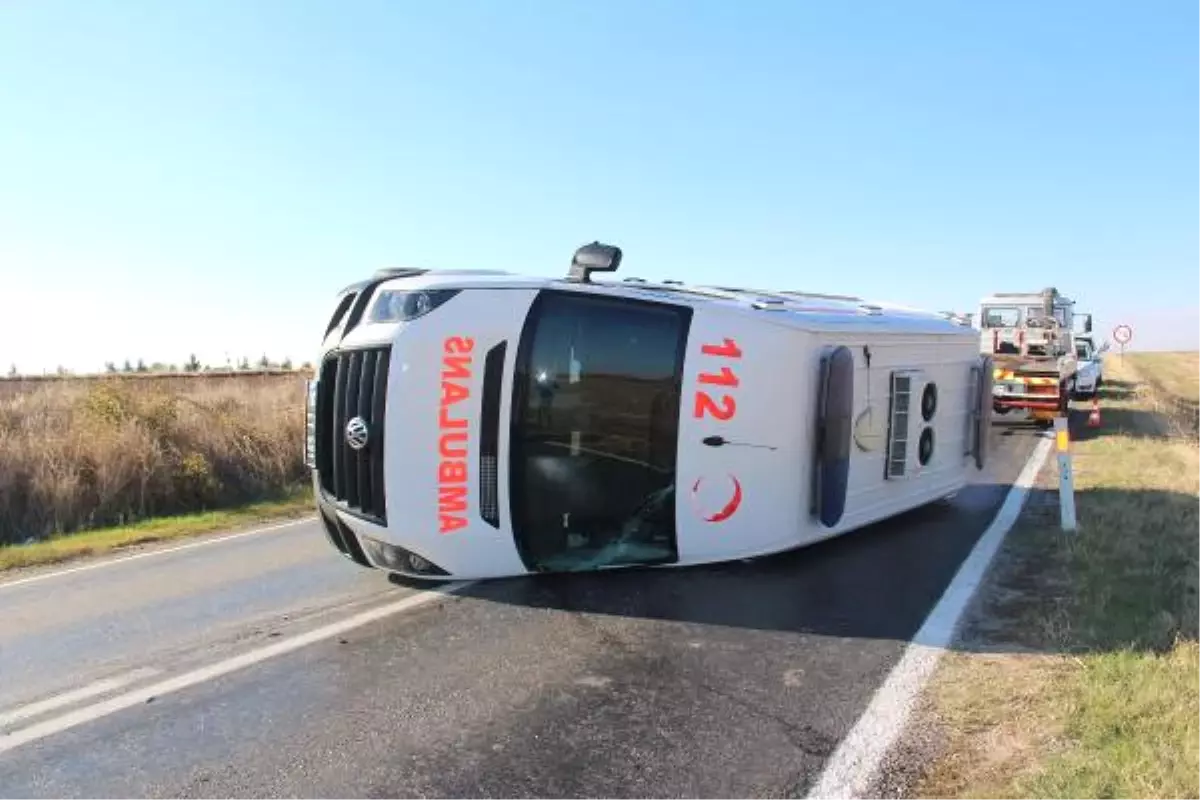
(296, 503)
(1079, 666)
(1131, 729)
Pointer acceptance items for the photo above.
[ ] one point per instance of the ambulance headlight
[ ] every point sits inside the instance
(397, 559)
(397, 305)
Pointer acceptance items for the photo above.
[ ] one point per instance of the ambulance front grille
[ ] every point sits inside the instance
(353, 386)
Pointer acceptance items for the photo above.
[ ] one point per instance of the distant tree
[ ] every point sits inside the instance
(193, 364)
(286, 364)
(61, 371)
(264, 362)
(141, 366)
(110, 366)
(306, 366)
(245, 363)
(12, 371)
(128, 367)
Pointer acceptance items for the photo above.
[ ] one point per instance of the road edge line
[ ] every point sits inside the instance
(69, 697)
(108, 562)
(145, 694)
(855, 762)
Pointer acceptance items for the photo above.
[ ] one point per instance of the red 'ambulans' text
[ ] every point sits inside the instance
(452, 434)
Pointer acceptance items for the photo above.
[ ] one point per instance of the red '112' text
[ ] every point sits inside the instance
(718, 405)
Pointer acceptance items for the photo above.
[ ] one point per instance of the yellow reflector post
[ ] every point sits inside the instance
(1066, 478)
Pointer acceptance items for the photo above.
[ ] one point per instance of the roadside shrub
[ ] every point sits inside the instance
(81, 454)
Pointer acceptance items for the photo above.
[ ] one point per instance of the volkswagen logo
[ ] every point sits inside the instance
(357, 433)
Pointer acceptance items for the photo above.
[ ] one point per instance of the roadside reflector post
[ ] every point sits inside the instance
(1066, 478)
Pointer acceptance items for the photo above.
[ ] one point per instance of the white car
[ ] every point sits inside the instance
(474, 424)
(1090, 374)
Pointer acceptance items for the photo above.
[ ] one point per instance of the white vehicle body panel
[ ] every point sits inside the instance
(1091, 366)
(749, 497)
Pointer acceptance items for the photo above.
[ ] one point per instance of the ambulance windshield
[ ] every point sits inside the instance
(595, 424)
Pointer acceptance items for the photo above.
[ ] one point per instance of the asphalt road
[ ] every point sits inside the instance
(734, 680)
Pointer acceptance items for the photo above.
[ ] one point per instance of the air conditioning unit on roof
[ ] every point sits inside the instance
(911, 439)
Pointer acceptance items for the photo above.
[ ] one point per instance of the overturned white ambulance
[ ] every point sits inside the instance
(476, 424)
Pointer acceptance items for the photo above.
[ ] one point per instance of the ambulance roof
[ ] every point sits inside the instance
(792, 308)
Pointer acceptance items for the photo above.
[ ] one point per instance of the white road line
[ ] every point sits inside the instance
(147, 554)
(141, 695)
(854, 763)
(99, 687)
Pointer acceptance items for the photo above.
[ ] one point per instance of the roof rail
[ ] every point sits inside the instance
(819, 296)
(398, 272)
(768, 304)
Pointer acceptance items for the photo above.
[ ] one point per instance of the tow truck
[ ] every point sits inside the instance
(1031, 340)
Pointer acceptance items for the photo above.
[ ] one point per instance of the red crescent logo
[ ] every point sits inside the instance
(730, 508)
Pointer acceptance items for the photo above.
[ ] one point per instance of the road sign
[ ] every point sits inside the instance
(1123, 334)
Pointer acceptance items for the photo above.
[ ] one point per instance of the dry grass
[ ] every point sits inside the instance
(88, 454)
(1170, 386)
(1176, 374)
(1079, 667)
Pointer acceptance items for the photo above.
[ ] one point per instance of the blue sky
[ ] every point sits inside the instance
(202, 176)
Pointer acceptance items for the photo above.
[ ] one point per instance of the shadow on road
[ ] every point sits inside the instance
(877, 583)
